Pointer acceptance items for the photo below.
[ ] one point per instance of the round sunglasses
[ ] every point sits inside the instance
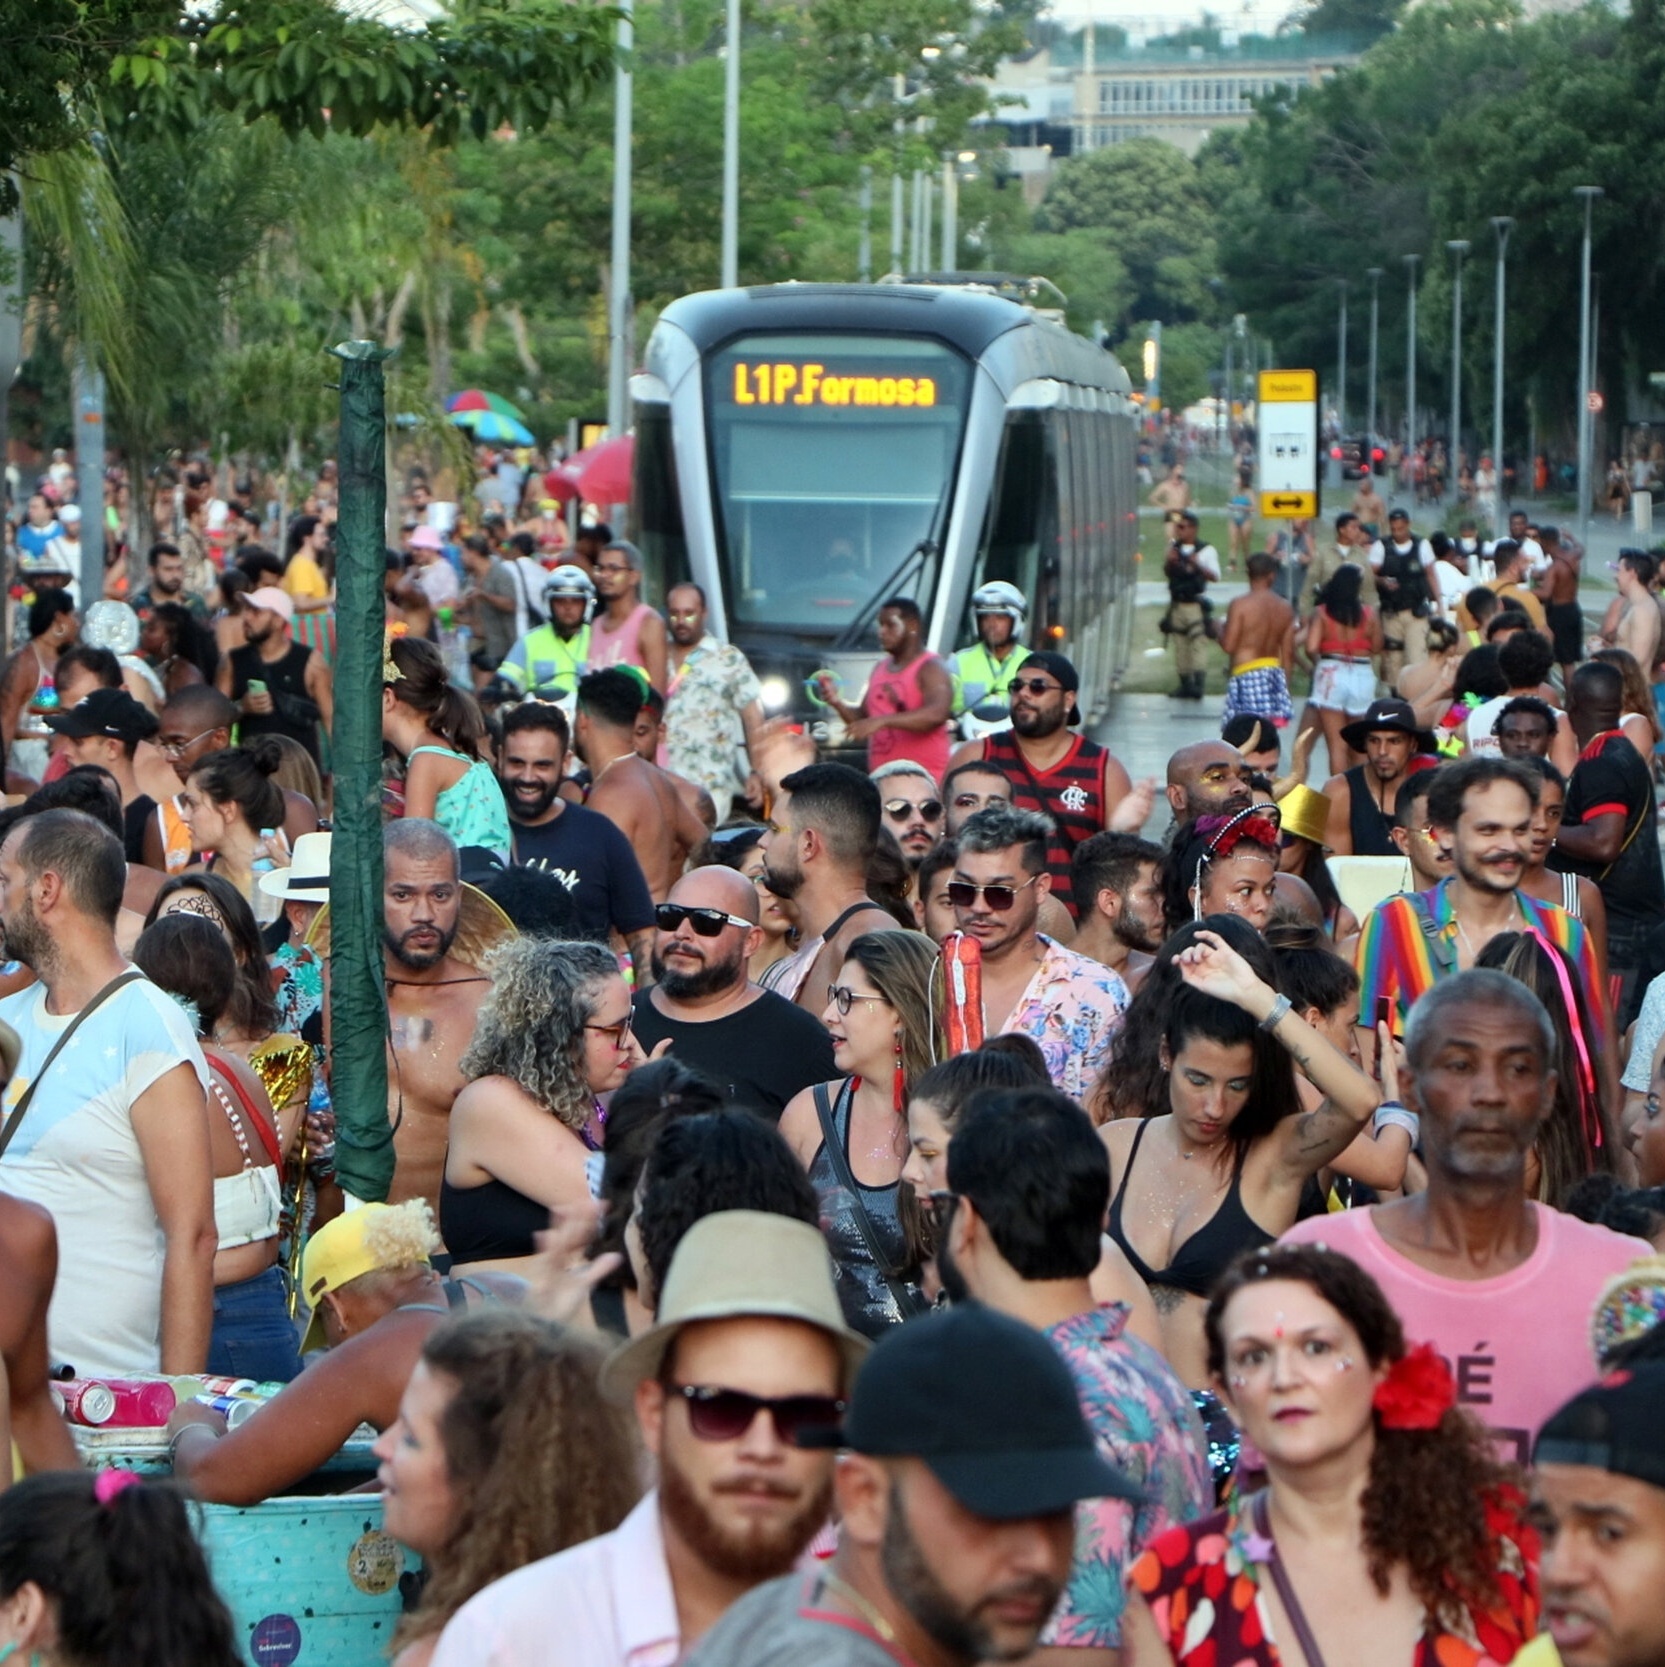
(904, 810)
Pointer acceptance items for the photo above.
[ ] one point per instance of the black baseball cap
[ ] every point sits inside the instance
(1614, 1426)
(988, 1404)
(1056, 665)
(111, 712)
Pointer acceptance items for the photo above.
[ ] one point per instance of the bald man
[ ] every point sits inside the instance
(760, 1046)
(1208, 778)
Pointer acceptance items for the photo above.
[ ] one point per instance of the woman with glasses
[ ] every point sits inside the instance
(852, 1134)
(553, 1035)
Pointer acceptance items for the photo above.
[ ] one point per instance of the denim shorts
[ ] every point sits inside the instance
(253, 1335)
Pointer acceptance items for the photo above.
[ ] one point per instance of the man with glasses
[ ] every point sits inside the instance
(195, 722)
(1068, 1006)
(713, 707)
(1079, 786)
(760, 1047)
(749, 1360)
(912, 807)
(626, 632)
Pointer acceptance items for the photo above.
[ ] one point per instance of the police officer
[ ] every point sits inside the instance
(1405, 580)
(984, 671)
(550, 659)
(1188, 568)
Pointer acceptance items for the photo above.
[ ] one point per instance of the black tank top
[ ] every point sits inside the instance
(488, 1223)
(1370, 825)
(282, 677)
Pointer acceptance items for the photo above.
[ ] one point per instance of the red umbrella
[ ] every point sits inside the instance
(602, 472)
(559, 484)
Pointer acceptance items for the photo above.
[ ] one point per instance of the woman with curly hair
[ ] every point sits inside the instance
(1224, 865)
(852, 1134)
(504, 1452)
(1388, 1532)
(553, 1034)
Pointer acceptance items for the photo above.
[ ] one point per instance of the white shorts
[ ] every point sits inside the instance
(1344, 686)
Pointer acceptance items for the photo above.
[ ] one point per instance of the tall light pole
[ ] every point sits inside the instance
(618, 307)
(731, 151)
(1341, 365)
(1375, 276)
(1585, 427)
(1410, 363)
(1458, 247)
(864, 250)
(899, 89)
(1502, 225)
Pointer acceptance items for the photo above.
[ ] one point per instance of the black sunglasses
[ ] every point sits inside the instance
(726, 1414)
(707, 923)
(901, 810)
(963, 894)
(1034, 685)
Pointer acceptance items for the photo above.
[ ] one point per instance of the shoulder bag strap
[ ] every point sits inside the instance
(906, 1302)
(257, 1118)
(131, 976)
(1285, 1588)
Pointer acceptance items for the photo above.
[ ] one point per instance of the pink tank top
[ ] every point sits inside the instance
(889, 691)
(621, 647)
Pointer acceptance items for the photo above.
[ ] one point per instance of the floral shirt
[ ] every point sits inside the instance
(1070, 1010)
(702, 717)
(1203, 1585)
(1145, 1424)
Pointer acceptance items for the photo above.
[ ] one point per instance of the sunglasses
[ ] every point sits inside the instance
(844, 998)
(1034, 686)
(904, 810)
(707, 923)
(615, 1033)
(726, 1414)
(963, 894)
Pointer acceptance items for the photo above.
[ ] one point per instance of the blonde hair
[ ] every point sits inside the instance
(402, 1235)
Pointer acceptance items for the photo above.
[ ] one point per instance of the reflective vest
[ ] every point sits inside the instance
(543, 659)
(977, 674)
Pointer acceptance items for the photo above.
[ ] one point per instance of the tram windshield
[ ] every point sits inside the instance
(834, 457)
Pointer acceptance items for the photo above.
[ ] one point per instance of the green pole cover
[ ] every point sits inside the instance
(358, 994)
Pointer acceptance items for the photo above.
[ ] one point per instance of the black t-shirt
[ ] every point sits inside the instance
(588, 854)
(1612, 778)
(763, 1055)
(134, 818)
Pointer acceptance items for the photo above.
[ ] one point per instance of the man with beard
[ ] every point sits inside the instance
(1075, 782)
(1118, 879)
(1020, 1231)
(1480, 813)
(1361, 799)
(581, 848)
(108, 1133)
(967, 1455)
(761, 1048)
(167, 584)
(714, 707)
(748, 1357)
(816, 854)
(1501, 1286)
(912, 806)
(969, 788)
(432, 998)
(279, 686)
(1208, 778)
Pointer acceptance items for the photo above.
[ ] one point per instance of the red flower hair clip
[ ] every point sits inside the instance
(1417, 1392)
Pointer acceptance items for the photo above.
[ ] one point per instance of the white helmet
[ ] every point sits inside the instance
(571, 580)
(999, 597)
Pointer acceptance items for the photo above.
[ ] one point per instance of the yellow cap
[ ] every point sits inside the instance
(1305, 813)
(359, 1242)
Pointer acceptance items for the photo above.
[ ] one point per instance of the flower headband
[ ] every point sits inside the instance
(1221, 835)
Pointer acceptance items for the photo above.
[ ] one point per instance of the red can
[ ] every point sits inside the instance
(85, 1402)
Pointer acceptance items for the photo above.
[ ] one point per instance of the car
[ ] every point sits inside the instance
(1350, 451)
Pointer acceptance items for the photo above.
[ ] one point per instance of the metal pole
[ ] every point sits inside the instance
(928, 200)
(1502, 225)
(1589, 193)
(618, 309)
(1458, 247)
(358, 999)
(1226, 393)
(1410, 365)
(1341, 367)
(950, 211)
(916, 259)
(1375, 276)
(11, 356)
(731, 151)
(898, 89)
(90, 444)
(864, 254)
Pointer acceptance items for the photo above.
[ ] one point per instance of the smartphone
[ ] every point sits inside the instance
(1384, 1016)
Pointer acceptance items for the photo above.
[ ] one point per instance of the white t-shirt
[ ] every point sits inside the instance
(1424, 552)
(438, 580)
(1453, 586)
(77, 1156)
(1536, 560)
(1208, 559)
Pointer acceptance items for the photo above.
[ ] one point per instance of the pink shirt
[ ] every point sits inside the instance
(605, 1603)
(1519, 1344)
(889, 690)
(622, 647)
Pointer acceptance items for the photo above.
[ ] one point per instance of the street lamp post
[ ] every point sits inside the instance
(898, 89)
(731, 151)
(1458, 247)
(1410, 366)
(1341, 365)
(618, 323)
(1375, 276)
(1502, 225)
(1585, 427)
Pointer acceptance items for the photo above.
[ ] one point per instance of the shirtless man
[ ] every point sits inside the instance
(1557, 589)
(29, 1261)
(1173, 493)
(649, 739)
(432, 998)
(816, 852)
(1638, 624)
(1259, 640)
(637, 796)
(1368, 506)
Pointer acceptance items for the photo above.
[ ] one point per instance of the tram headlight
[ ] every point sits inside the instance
(776, 694)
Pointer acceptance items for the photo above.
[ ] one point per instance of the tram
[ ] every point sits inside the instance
(804, 451)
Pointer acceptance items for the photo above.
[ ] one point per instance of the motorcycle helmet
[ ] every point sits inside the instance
(999, 597)
(571, 580)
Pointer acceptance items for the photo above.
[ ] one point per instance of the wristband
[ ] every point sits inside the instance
(1391, 1112)
(1280, 1007)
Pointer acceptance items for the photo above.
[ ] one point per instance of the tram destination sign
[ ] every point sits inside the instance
(1287, 418)
(788, 382)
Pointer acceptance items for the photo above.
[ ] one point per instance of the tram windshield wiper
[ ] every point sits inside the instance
(917, 557)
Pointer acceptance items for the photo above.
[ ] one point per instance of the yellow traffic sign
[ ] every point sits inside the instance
(1292, 504)
(1277, 386)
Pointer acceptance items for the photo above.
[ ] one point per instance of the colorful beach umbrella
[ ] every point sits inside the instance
(492, 427)
(476, 399)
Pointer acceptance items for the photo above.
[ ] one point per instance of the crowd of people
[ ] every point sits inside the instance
(931, 1199)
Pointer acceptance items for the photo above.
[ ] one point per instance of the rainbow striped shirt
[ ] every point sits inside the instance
(1398, 959)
